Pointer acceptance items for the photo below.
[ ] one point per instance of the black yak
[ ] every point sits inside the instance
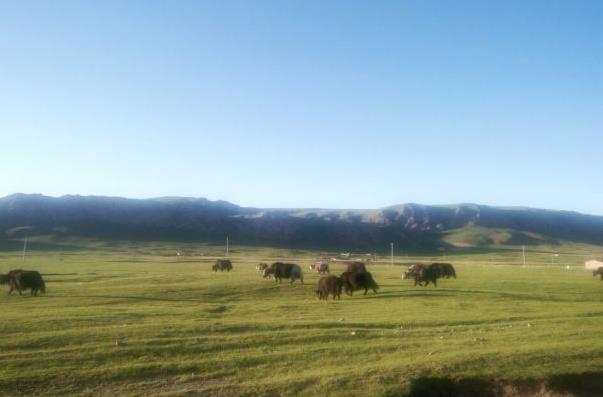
(422, 274)
(353, 281)
(329, 285)
(11, 280)
(599, 271)
(24, 279)
(320, 267)
(356, 267)
(281, 270)
(221, 265)
(323, 268)
(444, 270)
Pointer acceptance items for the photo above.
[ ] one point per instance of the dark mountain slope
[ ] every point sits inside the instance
(411, 226)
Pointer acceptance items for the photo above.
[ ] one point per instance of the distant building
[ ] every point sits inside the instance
(593, 264)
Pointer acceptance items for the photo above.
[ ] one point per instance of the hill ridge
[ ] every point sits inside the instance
(409, 225)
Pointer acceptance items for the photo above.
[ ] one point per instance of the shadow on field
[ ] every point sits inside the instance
(515, 296)
(130, 297)
(411, 294)
(568, 385)
(436, 292)
(63, 274)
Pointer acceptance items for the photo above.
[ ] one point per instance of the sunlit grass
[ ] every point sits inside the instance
(137, 320)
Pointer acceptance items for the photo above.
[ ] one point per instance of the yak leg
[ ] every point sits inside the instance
(348, 289)
(365, 291)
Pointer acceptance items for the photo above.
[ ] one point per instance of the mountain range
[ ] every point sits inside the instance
(410, 226)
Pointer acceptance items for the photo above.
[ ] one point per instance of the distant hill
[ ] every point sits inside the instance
(410, 226)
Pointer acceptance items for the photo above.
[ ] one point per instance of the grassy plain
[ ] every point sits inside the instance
(134, 319)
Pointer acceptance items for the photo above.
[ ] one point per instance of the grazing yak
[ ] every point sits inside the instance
(444, 270)
(421, 274)
(599, 271)
(356, 267)
(24, 279)
(329, 285)
(11, 278)
(281, 270)
(425, 274)
(323, 268)
(320, 268)
(353, 281)
(221, 265)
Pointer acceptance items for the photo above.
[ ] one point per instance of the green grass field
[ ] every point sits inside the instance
(137, 320)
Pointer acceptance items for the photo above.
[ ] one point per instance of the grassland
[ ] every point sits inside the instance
(131, 319)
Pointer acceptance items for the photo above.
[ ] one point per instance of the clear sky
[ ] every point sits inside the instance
(344, 104)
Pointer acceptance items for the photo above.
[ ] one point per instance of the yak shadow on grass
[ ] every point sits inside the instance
(578, 385)
(63, 274)
(210, 298)
(526, 296)
(215, 296)
(435, 292)
(410, 294)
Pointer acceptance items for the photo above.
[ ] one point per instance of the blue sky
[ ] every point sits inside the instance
(305, 103)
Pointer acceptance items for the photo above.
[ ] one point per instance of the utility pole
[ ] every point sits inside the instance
(524, 255)
(227, 243)
(24, 248)
(391, 246)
